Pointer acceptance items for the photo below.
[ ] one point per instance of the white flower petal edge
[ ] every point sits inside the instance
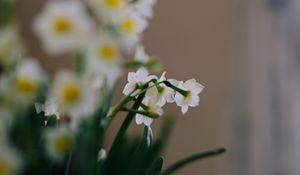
(192, 99)
(140, 54)
(138, 78)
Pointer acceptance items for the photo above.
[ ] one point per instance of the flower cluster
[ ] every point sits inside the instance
(161, 91)
(99, 39)
(111, 29)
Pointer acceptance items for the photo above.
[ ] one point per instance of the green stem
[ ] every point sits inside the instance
(68, 164)
(113, 111)
(127, 122)
(145, 113)
(188, 160)
(80, 63)
(181, 91)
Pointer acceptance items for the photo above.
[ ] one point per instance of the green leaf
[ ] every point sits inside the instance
(114, 149)
(7, 11)
(180, 164)
(156, 167)
(148, 136)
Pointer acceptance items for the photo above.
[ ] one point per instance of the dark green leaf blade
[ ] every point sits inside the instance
(156, 167)
(180, 164)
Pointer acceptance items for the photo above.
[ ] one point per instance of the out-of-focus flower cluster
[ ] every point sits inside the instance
(37, 109)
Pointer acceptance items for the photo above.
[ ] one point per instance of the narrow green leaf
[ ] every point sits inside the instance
(156, 167)
(180, 164)
(148, 136)
(121, 133)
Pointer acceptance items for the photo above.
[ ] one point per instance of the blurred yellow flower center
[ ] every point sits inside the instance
(107, 52)
(62, 25)
(70, 93)
(4, 168)
(114, 3)
(26, 85)
(62, 144)
(128, 25)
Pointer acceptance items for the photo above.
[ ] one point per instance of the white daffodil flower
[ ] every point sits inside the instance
(152, 107)
(10, 46)
(63, 26)
(58, 142)
(140, 54)
(108, 9)
(162, 96)
(103, 60)
(72, 97)
(144, 7)
(10, 160)
(135, 79)
(29, 76)
(192, 99)
(130, 26)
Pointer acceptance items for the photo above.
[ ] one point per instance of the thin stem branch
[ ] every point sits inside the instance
(145, 113)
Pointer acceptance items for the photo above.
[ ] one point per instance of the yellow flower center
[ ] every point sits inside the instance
(26, 85)
(108, 52)
(114, 3)
(62, 144)
(70, 93)
(4, 167)
(62, 25)
(128, 25)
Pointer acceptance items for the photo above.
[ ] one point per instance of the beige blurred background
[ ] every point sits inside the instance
(194, 39)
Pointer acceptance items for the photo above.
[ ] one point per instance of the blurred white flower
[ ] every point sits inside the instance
(59, 142)
(107, 9)
(103, 60)
(163, 95)
(130, 26)
(137, 79)
(63, 26)
(151, 107)
(192, 99)
(29, 76)
(144, 7)
(10, 160)
(50, 108)
(71, 96)
(10, 46)
(140, 54)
